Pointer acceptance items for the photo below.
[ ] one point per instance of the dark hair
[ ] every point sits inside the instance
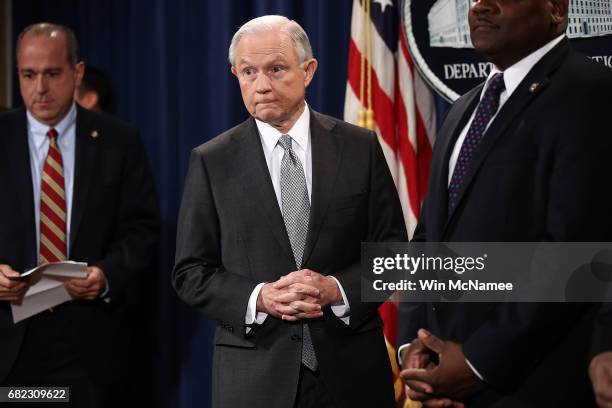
(48, 29)
(94, 79)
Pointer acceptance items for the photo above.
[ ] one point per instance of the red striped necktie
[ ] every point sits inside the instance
(52, 205)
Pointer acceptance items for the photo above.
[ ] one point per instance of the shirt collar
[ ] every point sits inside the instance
(39, 130)
(515, 74)
(299, 132)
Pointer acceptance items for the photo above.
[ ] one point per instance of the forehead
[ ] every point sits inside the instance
(265, 45)
(43, 48)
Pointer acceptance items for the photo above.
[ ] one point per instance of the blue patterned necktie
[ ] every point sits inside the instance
(484, 112)
(296, 211)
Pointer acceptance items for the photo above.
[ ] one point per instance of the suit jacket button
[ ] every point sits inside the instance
(230, 329)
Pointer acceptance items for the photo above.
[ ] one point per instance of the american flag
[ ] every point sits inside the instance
(386, 93)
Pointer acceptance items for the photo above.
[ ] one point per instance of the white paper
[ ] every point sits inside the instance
(49, 290)
(69, 269)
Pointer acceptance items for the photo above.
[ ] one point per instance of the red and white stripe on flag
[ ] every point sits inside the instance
(404, 116)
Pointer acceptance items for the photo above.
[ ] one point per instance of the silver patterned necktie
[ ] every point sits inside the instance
(296, 211)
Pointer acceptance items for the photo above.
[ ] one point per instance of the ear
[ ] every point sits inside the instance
(234, 72)
(79, 70)
(559, 10)
(310, 67)
(89, 100)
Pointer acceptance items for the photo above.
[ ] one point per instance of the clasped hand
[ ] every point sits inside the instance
(300, 295)
(441, 384)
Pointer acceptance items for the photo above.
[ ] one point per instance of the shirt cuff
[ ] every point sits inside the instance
(105, 293)
(252, 316)
(399, 353)
(474, 370)
(342, 311)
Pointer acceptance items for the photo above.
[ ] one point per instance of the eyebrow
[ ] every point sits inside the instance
(43, 71)
(276, 60)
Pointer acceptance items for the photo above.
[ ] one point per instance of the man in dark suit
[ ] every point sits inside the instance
(519, 158)
(273, 214)
(600, 367)
(76, 185)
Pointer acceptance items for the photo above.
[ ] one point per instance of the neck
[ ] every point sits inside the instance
(505, 59)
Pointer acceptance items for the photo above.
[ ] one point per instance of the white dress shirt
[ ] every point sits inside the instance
(38, 144)
(273, 152)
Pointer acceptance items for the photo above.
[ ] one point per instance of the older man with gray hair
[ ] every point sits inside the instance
(270, 229)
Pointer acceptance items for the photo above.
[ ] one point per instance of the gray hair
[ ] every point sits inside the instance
(50, 30)
(262, 24)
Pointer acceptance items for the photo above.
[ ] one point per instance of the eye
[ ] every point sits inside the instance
(27, 74)
(277, 68)
(248, 71)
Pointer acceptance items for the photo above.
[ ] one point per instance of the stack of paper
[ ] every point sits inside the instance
(46, 287)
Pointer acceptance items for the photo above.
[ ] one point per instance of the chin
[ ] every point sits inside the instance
(44, 117)
(485, 48)
(267, 116)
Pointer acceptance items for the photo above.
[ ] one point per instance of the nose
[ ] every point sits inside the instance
(262, 84)
(41, 84)
(482, 6)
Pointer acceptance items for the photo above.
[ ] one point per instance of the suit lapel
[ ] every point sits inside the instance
(18, 162)
(521, 98)
(326, 153)
(255, 179)
(85, 156)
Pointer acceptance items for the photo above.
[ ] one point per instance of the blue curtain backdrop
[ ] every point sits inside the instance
(168, 63)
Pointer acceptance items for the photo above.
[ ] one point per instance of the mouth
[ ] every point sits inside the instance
(42, 103)
(483, 25)
(264, 103)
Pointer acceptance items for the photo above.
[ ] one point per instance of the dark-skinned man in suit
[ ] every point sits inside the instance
(519, 158)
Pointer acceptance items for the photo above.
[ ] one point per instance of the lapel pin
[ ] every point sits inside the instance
(94, 134)
(534, 87)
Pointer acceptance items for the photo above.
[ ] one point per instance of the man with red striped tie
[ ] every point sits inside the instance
(76, 186)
